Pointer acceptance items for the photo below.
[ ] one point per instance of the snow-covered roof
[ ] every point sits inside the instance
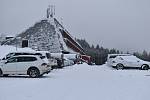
(43, 51)
(56, 55)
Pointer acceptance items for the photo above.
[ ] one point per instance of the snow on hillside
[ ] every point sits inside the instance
(79, 82)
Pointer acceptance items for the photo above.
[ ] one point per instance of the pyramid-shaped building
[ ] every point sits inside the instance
(48, 35)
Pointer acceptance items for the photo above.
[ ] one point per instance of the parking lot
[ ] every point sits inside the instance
(79, 82)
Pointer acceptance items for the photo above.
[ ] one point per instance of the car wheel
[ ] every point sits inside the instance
(34, 72)
(1, 73)
(119, 66)
(144, 67)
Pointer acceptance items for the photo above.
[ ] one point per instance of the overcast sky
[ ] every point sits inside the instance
(122, 24)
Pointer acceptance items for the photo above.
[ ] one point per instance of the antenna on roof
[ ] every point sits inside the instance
(54, 10)
(50, 11)
(61, 21)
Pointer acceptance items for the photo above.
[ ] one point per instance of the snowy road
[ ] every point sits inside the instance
(79, 82)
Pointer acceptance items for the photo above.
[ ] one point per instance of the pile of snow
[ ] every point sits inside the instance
(5, 49)
(79, 82)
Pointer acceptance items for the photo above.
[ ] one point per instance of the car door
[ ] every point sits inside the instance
(22, 65)
(132, 63)
(9, 67)
(135, 63)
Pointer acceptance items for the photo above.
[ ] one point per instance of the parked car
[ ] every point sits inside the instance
(73, 57)
(120, 62)
(53, 62)
(110, 57)
(31, 65)
(68, 62)
(59, 59)
(45, 54)
(48, 58)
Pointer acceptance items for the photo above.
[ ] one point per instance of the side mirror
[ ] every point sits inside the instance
(138, 61)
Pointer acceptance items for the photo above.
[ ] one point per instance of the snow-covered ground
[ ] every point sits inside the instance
(79, 82)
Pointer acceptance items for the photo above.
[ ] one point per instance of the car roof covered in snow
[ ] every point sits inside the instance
(56, 55)
(6, 49)
(119, 54)
(43, 51)
(129, 57)
(27, 56)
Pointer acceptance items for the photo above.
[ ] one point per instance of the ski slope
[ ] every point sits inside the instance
(79, 82)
